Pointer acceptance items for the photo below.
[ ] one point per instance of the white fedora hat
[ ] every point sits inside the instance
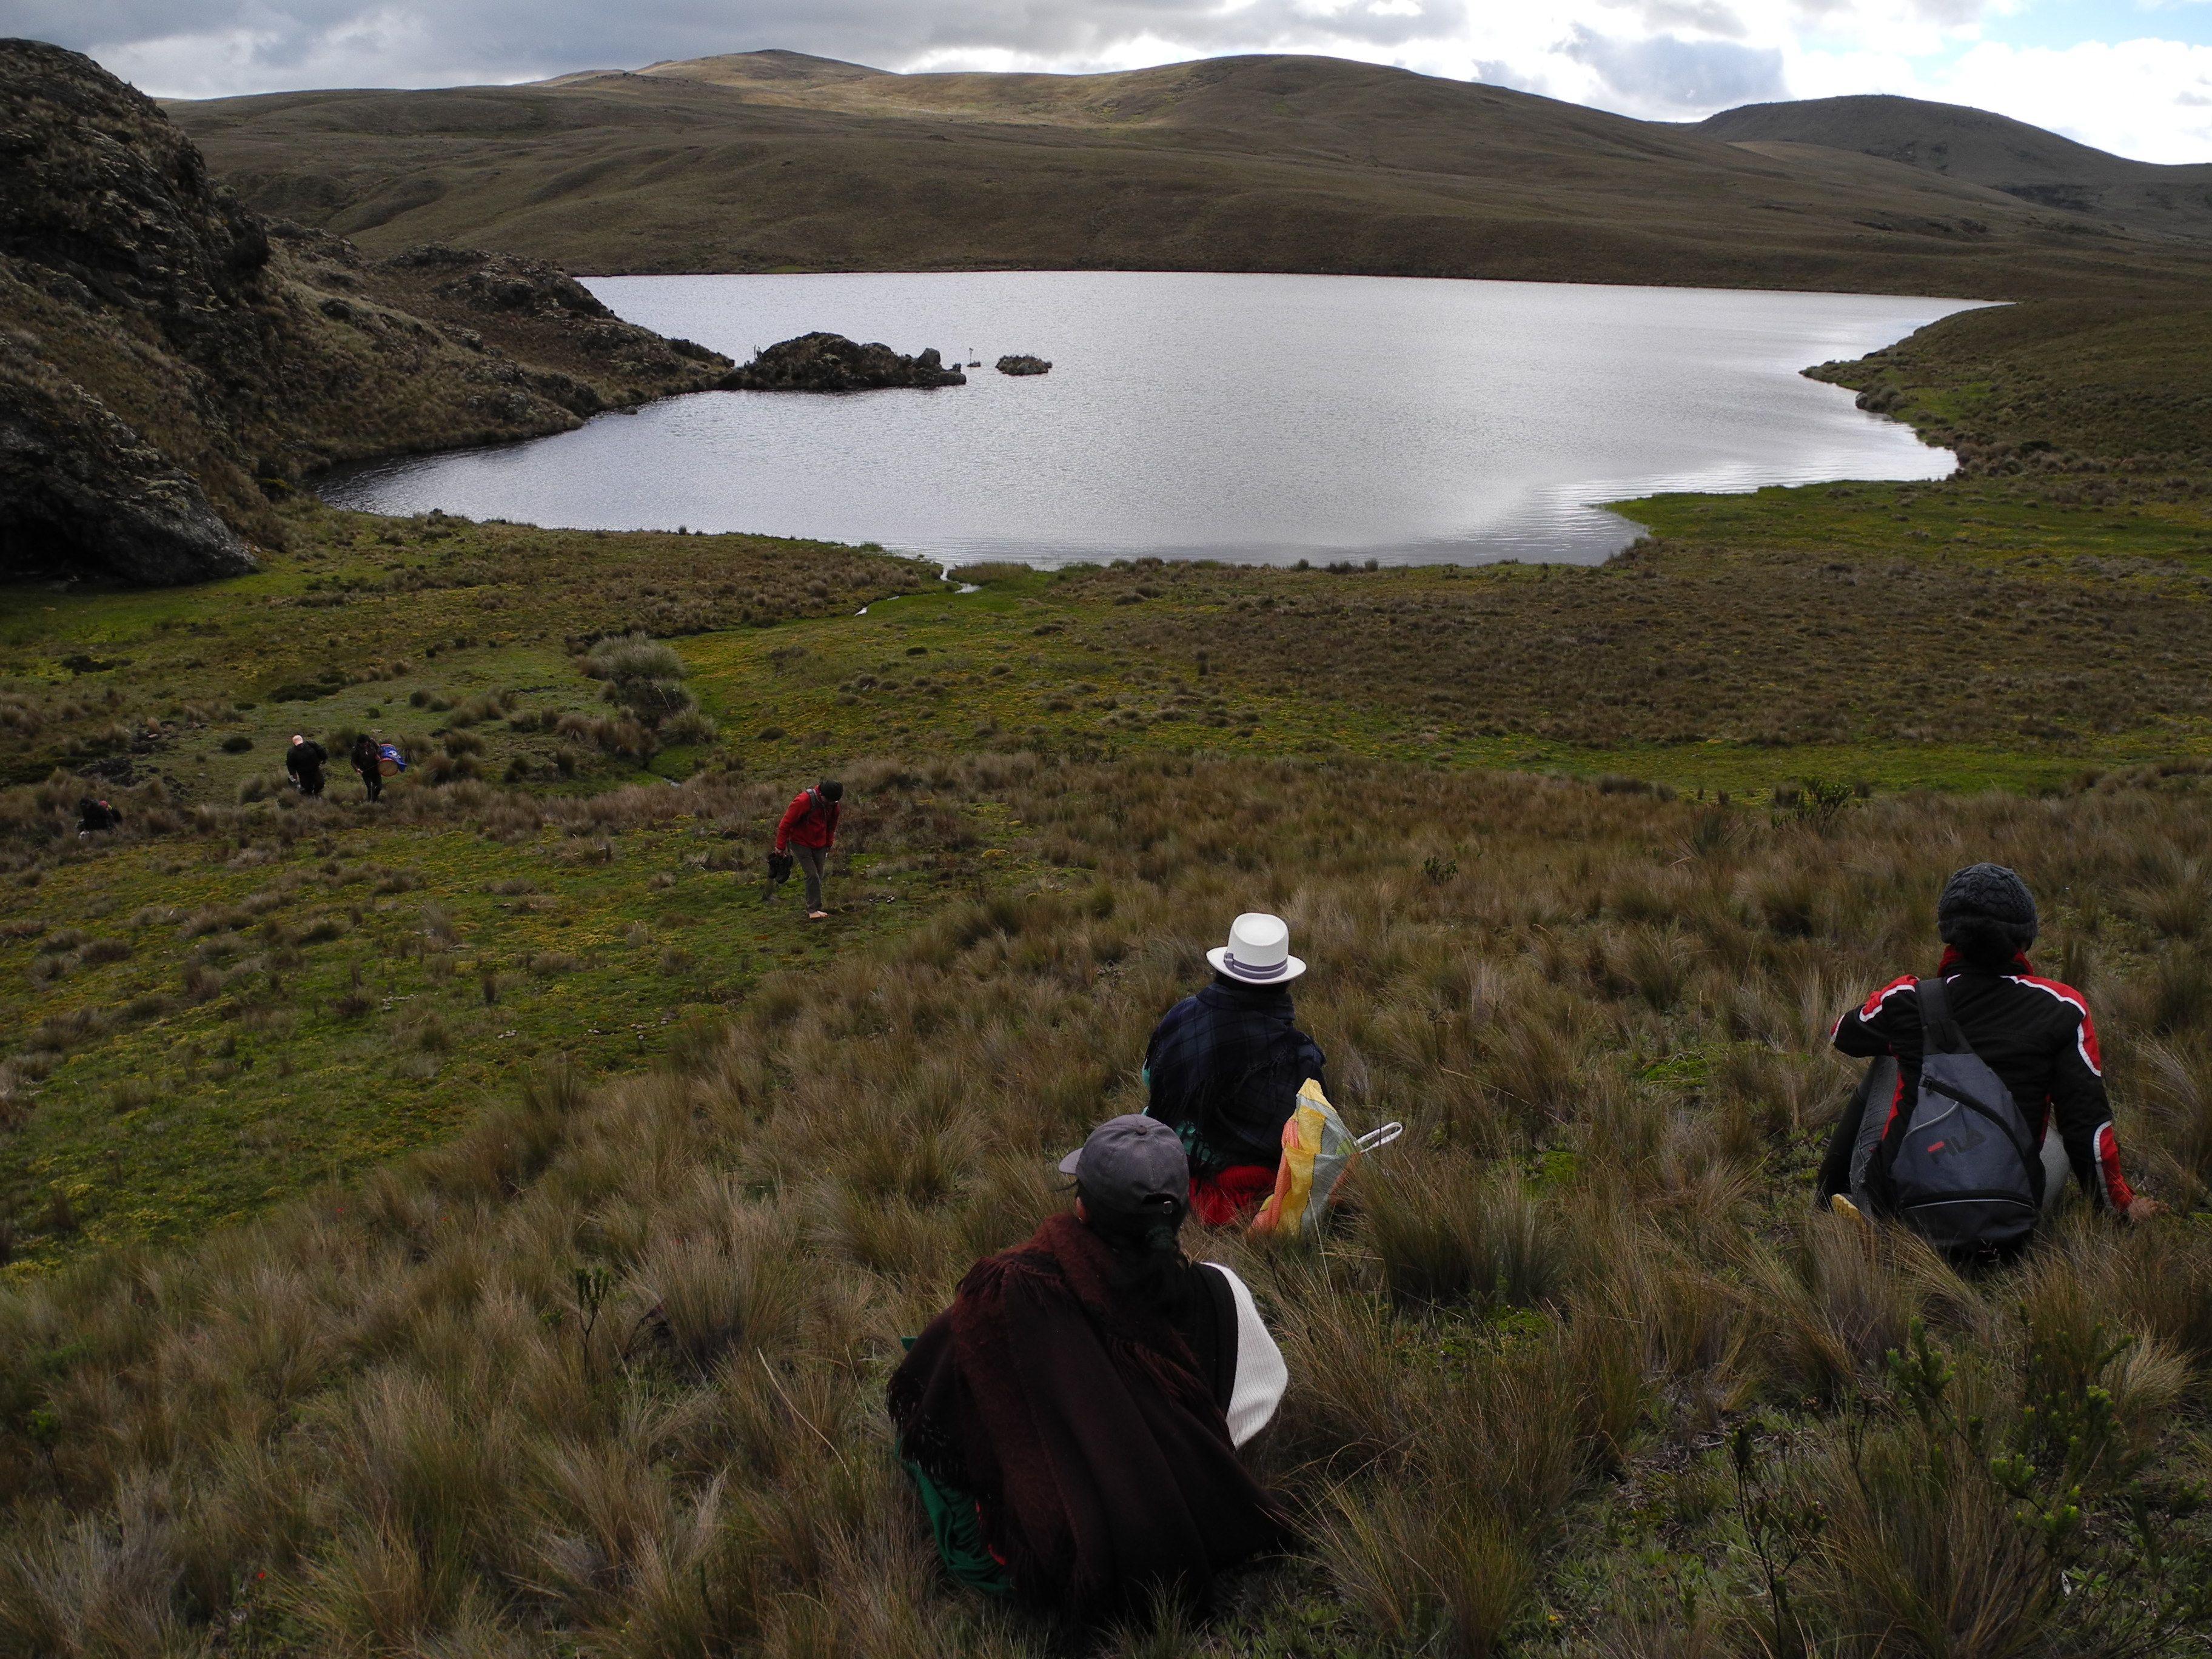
(1258, 951)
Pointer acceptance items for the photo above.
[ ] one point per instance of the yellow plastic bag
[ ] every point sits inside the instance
(1318, 1152)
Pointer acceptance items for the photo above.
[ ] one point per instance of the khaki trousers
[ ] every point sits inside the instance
(811, 860)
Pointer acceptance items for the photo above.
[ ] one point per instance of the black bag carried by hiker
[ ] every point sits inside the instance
(1966, 1173)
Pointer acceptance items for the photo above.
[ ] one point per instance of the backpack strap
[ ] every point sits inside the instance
(1939, 1028)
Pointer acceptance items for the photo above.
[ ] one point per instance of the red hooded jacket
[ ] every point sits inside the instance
(809, 821)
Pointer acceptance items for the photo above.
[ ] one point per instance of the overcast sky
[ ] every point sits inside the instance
(2129, 75)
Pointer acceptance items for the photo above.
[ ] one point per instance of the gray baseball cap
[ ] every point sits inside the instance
(1129, 1160)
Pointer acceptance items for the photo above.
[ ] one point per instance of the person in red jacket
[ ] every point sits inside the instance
(808, 831)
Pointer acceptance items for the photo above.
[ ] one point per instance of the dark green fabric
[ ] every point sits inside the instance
(957, 1529)
(959, 1534)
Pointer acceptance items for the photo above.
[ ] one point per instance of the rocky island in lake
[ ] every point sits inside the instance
(829, 363)
(1020, 363)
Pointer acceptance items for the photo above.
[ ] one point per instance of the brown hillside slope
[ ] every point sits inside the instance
(167, 358)
(772, 161)
(1974, 147)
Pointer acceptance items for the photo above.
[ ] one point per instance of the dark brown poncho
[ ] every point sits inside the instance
(1078, 1416)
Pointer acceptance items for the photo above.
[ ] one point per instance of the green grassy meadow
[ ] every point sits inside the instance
(227, 1032)
(480, 1223)
(304, 992)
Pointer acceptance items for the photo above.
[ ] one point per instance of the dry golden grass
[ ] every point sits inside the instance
(1576, 1372)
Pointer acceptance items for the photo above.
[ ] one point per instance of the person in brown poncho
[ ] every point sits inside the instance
(1071, 1421)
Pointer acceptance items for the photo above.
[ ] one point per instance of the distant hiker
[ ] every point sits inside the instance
(368, 761)
(305, 760)
(94, 816)
(1071, 1421)
(808, 831)
(1225, 1067)
(1970, 1172)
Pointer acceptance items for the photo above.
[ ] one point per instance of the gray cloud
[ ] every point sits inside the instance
(1944, 13)
(1706, 16)
(1497, 72)
(1663, 73)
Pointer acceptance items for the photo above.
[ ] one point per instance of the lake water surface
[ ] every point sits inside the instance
(1256, 418)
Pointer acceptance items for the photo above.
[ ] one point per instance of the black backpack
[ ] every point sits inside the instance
(1966, 1175)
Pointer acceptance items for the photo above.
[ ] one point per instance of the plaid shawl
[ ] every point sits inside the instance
(1077, 1415)
(1225, 1067)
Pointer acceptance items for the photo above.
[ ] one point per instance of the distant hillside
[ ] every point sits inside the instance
(1975, 146)
(772, 161)
(169, 359)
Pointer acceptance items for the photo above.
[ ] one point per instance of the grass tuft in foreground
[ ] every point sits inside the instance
(1581, 1372)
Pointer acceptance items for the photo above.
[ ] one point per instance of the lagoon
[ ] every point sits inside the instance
(1251, 418)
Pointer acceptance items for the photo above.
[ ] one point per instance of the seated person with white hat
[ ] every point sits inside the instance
(1071, 1421)
(1224, 1068)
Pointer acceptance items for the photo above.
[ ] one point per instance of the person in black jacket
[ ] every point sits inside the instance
(1224, 1066)
(369, 763)
(305, 760)
(2035, 1034)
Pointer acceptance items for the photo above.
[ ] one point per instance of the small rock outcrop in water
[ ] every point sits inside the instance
(1024, 365)
(831, 362)
(172, 361)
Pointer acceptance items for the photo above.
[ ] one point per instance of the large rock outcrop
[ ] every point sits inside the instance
(169, 360)
(79, 489)
(831, 362)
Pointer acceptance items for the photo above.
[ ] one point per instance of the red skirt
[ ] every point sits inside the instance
(1229, 1198)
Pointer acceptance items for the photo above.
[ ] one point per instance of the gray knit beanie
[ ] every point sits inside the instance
(1987, 915)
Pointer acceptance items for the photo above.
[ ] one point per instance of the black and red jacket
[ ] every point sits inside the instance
(2035, 1034)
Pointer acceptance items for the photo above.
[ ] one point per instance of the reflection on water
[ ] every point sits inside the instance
(1245, 417)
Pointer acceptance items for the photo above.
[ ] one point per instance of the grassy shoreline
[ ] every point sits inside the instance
(1601, 1015)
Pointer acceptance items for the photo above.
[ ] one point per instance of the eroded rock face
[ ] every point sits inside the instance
(79, 490)
(97, 185)
(588, 358)
(1017, 363)
(129, 284)
(831, 362)
(168, 361)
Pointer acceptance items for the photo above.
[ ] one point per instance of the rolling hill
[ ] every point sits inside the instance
(772, 161)
(1974, 147)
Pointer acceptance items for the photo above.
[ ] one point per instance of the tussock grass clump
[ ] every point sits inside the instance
(604, 1371)
(1450, 1232)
